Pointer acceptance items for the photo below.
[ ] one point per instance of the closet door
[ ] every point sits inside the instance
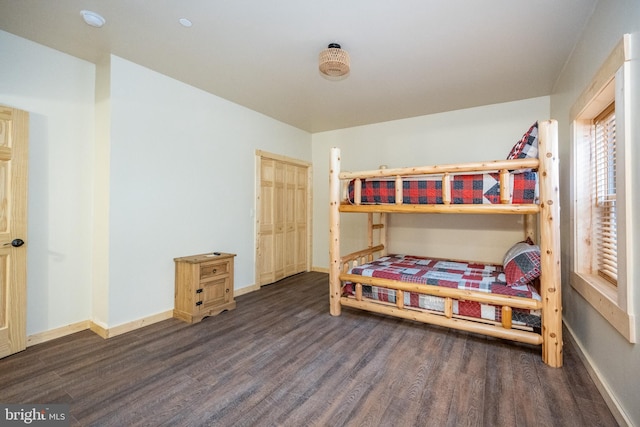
(266, 223)
(14, 128)
(282, 238)
(301, 219)
(279, 234)
(290, 220)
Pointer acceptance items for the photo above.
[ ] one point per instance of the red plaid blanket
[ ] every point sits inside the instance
(465, 189)
(453, 274)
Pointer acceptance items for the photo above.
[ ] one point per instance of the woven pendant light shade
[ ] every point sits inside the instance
(334, 62)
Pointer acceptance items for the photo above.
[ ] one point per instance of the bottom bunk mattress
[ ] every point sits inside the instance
(489, 278)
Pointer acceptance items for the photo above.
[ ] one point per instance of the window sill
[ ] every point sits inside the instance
(603, 297)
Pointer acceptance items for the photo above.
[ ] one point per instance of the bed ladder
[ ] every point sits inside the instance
(381, 227)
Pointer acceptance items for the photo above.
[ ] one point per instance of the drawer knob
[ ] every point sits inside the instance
(214, 271)
(227, 290)
(199, 291)
(199, 303)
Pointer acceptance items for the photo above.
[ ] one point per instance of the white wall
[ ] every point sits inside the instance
(57, 90)
(614, 359)
(182, 182)
(483, 133)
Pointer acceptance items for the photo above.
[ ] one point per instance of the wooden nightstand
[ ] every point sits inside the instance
(204, 286)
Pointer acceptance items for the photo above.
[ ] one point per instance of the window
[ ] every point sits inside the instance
(601, 193)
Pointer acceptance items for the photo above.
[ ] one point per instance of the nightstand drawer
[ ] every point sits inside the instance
(212, 269)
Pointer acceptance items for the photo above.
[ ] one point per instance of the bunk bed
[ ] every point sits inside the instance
(518, 300)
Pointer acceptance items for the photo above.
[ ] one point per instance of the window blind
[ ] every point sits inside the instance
(604, 162)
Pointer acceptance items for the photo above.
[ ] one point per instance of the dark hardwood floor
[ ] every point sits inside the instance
(280, 359)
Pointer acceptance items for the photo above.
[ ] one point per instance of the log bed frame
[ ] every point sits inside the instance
(545, 215)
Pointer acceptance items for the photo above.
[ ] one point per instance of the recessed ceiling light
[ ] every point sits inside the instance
(185, 22)
(92, 18)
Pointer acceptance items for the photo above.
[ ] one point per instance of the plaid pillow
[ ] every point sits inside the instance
(527, 147)
(522, 263)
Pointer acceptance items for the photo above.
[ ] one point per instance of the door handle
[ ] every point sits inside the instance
(16, 243)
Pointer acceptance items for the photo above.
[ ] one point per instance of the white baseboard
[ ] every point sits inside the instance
(245, 290)
(614, 405)
(100, 330)
(131, 326)
(41, 337)
(106, 332)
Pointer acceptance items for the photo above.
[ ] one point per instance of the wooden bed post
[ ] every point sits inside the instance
(550, 243)
(334, 233)
(383, 233)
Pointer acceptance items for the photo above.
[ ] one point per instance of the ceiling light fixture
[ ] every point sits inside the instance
(92, 18)
(185, 22)
(334, 62)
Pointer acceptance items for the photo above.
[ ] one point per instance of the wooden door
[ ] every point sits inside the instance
(266, 224)
(14, 131)
(277, 251)
(301, 219)
(289, 207)
(283, 218)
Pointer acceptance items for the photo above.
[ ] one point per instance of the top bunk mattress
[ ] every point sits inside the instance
(465, 189)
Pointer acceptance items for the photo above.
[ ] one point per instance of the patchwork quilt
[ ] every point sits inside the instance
(465, 189)
(452, 274)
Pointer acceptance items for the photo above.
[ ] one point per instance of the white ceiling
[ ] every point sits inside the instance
(408, 57)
